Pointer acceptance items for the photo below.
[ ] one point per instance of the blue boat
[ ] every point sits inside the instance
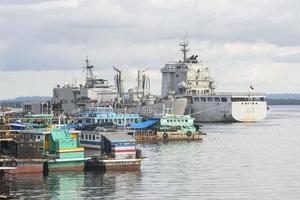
(105, 117)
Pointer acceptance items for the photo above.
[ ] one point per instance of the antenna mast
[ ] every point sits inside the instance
(184, 49)
(89, 69)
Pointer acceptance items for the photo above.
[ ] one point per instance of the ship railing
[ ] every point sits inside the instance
(240, 94)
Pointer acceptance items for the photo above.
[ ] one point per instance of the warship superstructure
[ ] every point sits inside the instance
(187, 88)
(97, 92)
(189, 78)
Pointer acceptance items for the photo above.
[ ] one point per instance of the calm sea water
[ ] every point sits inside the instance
(235, 161)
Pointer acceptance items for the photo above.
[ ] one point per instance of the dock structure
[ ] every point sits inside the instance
(149, 136)
(26, 154)
(167, 128)
(6, 168)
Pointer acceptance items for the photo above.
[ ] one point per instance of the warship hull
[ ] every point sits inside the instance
(176, 106)
(230, 111)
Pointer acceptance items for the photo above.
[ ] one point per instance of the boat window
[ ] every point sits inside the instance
(196, 99)
(186, 120)
(234, 99)
(217, 99)
(203, 99)
(93, 137)
(86, 136)
(224, 99)
(90, 137)
(262, 98)
(209, 99)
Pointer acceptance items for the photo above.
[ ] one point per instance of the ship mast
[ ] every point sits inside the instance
(184, 49)
(89, 69)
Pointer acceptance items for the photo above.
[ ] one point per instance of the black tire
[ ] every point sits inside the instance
(189, 133)
(165, 136)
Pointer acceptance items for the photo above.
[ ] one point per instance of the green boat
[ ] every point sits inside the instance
(167, 127)
(63, 152)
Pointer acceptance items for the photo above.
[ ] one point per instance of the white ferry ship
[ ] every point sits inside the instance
(190, 79)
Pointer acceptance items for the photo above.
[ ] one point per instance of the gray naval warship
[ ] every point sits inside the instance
(98, 92)
(190, 79)
(187, 88)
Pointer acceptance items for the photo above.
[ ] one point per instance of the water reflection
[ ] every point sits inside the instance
(234, 161)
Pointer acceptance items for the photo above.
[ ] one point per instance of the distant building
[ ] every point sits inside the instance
(36, 107)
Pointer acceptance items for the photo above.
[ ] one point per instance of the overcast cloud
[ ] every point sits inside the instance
(44, 43)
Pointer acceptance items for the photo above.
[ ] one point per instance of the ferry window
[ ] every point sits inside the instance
(90, 137)
(209, 99)
(224, 99)
(39, 137)
(203, 99)
(217, 99)
(262, 98)
(196, 99)
(86, 136)
(93, 137)
(186, 120)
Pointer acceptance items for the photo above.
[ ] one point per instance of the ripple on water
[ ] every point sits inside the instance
(235, 161)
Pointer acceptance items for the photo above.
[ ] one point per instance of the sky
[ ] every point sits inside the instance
(243, 42)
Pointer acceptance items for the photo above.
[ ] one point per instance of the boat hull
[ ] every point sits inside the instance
(58, 166)
(114, 165)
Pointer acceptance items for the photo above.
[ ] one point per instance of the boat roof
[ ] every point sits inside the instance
(58, 134)
(118, 137)
(144, 124)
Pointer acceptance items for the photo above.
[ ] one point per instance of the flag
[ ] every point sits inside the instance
(252, 88)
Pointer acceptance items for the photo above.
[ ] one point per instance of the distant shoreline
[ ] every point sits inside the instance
(283, 101)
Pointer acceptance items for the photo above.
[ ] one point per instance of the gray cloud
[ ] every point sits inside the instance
(230, 36)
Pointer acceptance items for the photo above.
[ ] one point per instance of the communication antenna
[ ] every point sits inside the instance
(89, 68)
(184, 48)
